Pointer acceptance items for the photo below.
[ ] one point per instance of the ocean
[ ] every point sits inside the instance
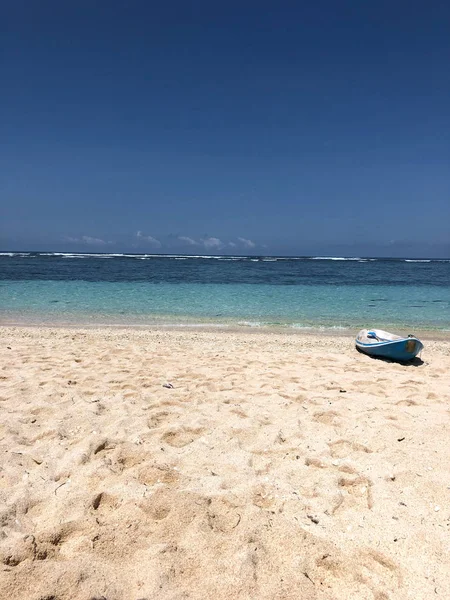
(308, 293)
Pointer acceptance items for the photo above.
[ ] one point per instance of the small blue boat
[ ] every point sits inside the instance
(376, 342)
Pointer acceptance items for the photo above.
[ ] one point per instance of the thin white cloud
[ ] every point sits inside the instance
(88, 240)
(232, 244)
(187, 240)
(92, 241)
(247, 243)
(212, 243)
(148, 239)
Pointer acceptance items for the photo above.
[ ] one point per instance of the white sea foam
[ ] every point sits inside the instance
(99, 255)
(175, 325)
(206, 256)
(72, 254)
(335, 258)
(115, 255)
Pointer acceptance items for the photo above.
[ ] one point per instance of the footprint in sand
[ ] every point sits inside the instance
(343, 448)
(379, 573)
(159, 418)
(152, 474)
(105, 502)
(354, 492)
(222, 515)
(26, 547)
(178, 438)
(391, 417)
(374, 389)
(43, 546)
(240, 413)
(329, 417)
(407, 402)
(158, 505)
(408, 389)
(98, 446)
(263, 496)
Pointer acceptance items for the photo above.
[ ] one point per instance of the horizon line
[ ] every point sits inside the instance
(185, 255)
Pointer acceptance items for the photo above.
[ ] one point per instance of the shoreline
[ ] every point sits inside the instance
(222, 329)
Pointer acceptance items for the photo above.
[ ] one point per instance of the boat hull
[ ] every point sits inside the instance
(398, 349)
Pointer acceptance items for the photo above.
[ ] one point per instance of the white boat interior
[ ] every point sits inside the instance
(373, 336)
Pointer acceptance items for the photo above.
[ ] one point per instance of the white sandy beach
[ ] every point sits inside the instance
(174, 465)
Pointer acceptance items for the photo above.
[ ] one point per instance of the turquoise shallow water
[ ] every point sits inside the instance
(302, 293)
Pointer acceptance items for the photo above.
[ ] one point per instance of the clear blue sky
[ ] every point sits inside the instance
(237, 127)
